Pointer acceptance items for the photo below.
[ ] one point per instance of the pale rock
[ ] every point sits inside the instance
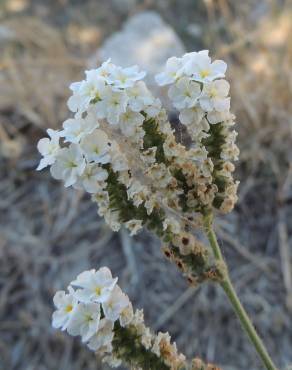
(145, 40)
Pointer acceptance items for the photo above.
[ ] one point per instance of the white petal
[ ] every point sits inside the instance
(219, 67)
(206, 104)
(222, 104)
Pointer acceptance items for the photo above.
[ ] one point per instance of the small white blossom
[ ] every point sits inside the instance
(216, 117)
(146, 338)
(115, 304)
(65, 304)
(184, 93)
(69, 165)
(84, 321)
(86, 91)
(49, 148)
(126, 315)
(105, 69)
(173, 70)
(112, 219)
(150, 204)
(96, 285)
(134, 226)
(192, 115)
(172, 225)
(92, 179)
(214, 96)
(161, 337)
(130, 121)
(123, 78)
(118, 159)
(77, 128)
(112, 361)
(137, 192)
(139, 97)
(199, 67)
(153, 109)
(104, 335)
(96, 147)
(114, 104)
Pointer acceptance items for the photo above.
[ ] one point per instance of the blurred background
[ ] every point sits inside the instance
(48, 234)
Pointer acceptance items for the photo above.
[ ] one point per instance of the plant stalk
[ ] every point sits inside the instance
(234, 300)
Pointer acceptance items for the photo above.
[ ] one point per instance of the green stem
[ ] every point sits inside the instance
(234, 300)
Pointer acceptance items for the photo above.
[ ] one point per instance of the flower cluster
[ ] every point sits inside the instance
(199, 92)
(96, 309)
(121, 148)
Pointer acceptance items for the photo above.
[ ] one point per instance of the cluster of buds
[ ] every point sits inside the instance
(96, 309)
(121, 148)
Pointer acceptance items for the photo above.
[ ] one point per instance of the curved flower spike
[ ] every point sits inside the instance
(113, 330)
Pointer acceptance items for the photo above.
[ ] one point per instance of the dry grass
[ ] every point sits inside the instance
(48, 234)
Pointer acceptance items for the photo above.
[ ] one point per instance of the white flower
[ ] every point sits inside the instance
(153, 109)
(105, 69)
(148, 156)
(112, 219)
(96, 285)
(199, 66)
(104, 335)
(86, 91)
(199, 129)
(150, 204)
(65, 304)
(134, 226)
(76, 128)
(69, 165)
(192, 115)
(112, 361)
(159, 173)
(114, 104)
(126, 315)
(216, 117)
(172, 225)
(123, 78)
(118, 159)
(173, 70)
(139, 97)
(146, 338)
(49, 148)
(214, 96)
(184, 93)
(92, 178)
(101, 198)
(84, 321)
(137, 192)
(160, 338)
(96, 147)
(130, 121)
(115, 304)
(230, 151)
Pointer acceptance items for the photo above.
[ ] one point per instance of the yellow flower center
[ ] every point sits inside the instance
(71, 165)
(97, 290)
(123, 79)
(213, 93)
(69, 308)
(204, 73)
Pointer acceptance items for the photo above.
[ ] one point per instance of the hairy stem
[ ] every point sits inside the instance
(234, 300)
